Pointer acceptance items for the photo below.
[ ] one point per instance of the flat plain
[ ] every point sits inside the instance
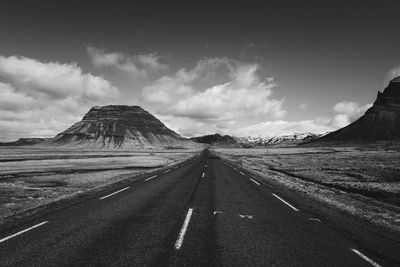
(31, 177)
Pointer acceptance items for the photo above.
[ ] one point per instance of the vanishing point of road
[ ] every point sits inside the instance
(204, 212)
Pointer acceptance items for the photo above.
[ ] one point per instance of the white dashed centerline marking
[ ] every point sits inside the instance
(254, 181)
(150, 178)
(202, 176)
(365, 258)
(166, 171)
(291, 206)
(242, 173)
(23, 231)
(179, 241)
(116, 192)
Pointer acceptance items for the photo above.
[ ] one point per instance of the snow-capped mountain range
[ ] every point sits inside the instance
(292, 139)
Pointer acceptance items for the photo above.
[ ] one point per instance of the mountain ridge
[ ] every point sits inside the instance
(25, 141)
(217, 140)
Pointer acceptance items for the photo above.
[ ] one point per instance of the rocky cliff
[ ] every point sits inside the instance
(379, 123)
(119, 127)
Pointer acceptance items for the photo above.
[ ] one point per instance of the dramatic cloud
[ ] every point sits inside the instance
(218, 94)
(186, 83)
(53, 80)
(140, 66)
(45, 97)
(12, 100)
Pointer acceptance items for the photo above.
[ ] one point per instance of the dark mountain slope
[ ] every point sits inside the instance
(379, 123)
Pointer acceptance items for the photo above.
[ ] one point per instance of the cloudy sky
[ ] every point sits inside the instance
(242, 68)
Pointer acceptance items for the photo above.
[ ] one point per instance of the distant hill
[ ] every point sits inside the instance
(119, 127)
(218, 140)
(24, 142)
(283, 140)
(381, 122)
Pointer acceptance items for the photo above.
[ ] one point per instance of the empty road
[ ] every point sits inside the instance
(201, 213)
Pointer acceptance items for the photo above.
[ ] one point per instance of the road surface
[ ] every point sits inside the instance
(201, 213)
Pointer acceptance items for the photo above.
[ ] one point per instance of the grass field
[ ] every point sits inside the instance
(31, 177)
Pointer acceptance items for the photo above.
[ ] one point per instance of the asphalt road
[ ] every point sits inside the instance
(202, 213)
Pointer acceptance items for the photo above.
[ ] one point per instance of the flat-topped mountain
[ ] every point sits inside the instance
(217, 140)
(119, 127)
(381, 122)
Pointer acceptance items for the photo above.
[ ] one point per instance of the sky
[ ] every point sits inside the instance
(244, 68)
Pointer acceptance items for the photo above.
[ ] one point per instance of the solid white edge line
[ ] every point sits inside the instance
(116, 192)
(254, 181)
(285, 202)
(154, 176)
(179, 241)
(23, 231)
(365, 258)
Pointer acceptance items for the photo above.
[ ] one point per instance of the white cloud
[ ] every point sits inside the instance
(53, 80)
(12, 100)
(228, 102)
(218, 94)
(186, 83)
(347, 112)
(393, 73)
(46, 97)
(139, 66)
(45, 121)
(346, 107)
